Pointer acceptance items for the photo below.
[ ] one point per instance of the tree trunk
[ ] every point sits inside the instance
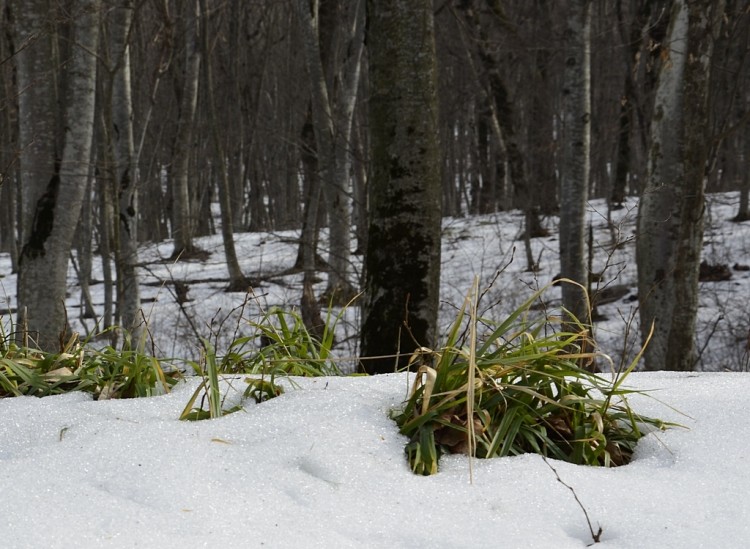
(333, 113)
(402, 262)
(183, 146)
(627, 102)
(120, 166)
(128, 299)
(237, 281)
(84, 253)
(359, 214)
(503, 116)
(308, 244)
(54, 190)
(8, 140)
(574, 181)
(106, 223)
(541, 144)
(670, 213)
(743, 209)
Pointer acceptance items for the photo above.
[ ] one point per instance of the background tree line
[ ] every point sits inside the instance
(123, 121)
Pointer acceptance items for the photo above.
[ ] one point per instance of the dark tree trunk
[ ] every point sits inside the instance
(402, 263)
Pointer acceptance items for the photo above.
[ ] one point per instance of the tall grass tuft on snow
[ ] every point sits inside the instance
(524, 387)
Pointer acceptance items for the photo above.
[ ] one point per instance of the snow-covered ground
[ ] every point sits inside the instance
(324, 466)
(471, 246)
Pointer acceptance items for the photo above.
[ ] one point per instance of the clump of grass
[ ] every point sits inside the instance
(208, 389)
(286, 349)
(525, 387)
(78, 366)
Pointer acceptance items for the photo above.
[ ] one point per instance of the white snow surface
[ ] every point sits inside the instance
(323, 465)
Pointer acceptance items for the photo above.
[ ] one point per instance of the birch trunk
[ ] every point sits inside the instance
(125, 172)
(574, 181)
(54, 191)
(670, 213)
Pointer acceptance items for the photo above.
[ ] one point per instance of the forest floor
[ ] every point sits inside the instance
(185, 297)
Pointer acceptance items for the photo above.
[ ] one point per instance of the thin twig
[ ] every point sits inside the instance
(596, 536)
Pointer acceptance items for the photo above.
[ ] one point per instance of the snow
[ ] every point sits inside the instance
(323, 465)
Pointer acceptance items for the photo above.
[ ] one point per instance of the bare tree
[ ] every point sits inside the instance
(574, 181)
(183, 208)
(402, 261)
(237, 281)
(670, 214)
(119, 153)
(333, 114)
(53, 185)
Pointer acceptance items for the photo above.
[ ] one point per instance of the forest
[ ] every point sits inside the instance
(128, 123)
(516, 211)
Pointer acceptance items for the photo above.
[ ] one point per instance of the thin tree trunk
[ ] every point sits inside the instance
(541, 134)
(360, 190)
(118, 129)
(574, 183)
(238, 142)
(503, 118)
(307, 258)
(106, 222)
(627, 105)
(237, 281)
(743, 209)
(332, 118)
(184, 228)
(8, 157)
(83, 252)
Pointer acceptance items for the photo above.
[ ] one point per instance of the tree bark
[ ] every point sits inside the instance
(574, 181)
(670, 213)
(333, 113)
(183, 146)
(402, 262)
(237, 281)
(119, 163)
(54, 190)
